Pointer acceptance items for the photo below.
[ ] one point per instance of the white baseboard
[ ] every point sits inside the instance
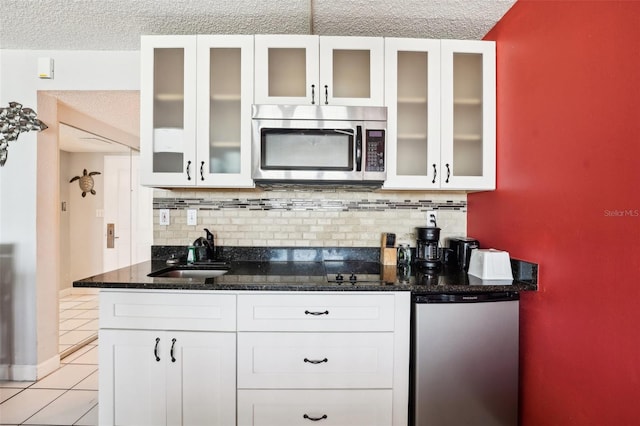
(18, 373)
(29, 373)
(49, 366)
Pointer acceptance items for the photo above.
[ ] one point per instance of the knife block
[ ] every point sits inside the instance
(388, 255)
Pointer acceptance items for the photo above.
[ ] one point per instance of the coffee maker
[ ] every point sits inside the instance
(427, 253)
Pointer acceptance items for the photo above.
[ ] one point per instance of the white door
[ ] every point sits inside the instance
(127, 213)
(117, 212)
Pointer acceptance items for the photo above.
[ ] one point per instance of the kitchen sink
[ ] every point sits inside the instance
(191, 271)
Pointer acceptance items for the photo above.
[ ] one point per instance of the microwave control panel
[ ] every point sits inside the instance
(375, 150)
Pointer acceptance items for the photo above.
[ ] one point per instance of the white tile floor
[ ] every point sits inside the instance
(78, 322)
(69, 395)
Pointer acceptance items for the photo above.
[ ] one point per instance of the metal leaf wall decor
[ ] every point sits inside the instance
(14, 120)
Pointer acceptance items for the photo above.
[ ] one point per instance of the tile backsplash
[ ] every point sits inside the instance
(305, 218)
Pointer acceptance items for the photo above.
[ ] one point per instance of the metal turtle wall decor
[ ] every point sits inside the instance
(86, 182)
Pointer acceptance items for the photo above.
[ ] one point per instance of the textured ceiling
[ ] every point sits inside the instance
(118, 24)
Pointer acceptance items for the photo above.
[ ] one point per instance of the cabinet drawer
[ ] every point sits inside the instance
(315, 360)
(316, 312)
(289, 407)
(167, 311)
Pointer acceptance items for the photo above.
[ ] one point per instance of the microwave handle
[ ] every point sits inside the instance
(358, 148)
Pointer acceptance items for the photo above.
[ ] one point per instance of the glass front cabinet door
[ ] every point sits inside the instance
(468, 131)
(440, 96)
(319, 70)
(195, 102)
(412, 90)
(225, 94)
(168, 110)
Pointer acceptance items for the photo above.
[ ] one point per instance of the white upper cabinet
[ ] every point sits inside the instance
(168, 110)
(197, 91)
(319, 70)
(225, 95)
(441, 101)
(195, 101)
(468, 130)
(412, 87)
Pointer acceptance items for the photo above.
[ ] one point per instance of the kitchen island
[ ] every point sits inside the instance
(270, 342)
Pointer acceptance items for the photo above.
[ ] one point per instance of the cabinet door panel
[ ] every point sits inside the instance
(132, 381)
(225, 95)
(412, 96)
(315, 360)
(352, 71)
(168, 110)
(332, 407)
(201, 382)
(468, 115)
(286, 67)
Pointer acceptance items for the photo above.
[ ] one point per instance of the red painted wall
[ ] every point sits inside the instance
(568, 198)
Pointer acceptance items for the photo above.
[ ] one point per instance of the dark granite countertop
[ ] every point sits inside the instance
(317, 273)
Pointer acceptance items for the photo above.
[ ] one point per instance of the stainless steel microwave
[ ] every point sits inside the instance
(319, 144)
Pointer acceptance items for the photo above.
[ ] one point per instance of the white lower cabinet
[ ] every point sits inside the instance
(322, 407)
(161, 376)
(291, 358)
(323, 358)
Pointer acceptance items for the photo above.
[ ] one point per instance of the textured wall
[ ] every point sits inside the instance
(320, 219)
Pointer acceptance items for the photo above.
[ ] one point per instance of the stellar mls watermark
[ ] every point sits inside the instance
(622, 213)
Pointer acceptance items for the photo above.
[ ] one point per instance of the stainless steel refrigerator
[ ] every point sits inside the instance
(465, 360)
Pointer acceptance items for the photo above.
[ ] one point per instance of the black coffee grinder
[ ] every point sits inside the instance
(427, 253)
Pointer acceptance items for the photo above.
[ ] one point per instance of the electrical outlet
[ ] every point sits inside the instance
(164, 217)
(192, 217)
(432, 218)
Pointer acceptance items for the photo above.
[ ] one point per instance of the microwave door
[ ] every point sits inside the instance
(308, 153)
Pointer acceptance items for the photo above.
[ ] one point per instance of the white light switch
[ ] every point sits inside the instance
(192, 217)
(164, 217)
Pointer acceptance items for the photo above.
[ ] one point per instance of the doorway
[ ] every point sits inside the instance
(94, 130)
(98, 224)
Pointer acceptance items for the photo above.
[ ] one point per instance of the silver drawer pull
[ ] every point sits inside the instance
(314, 419)
(316, 361)
(316, 313)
